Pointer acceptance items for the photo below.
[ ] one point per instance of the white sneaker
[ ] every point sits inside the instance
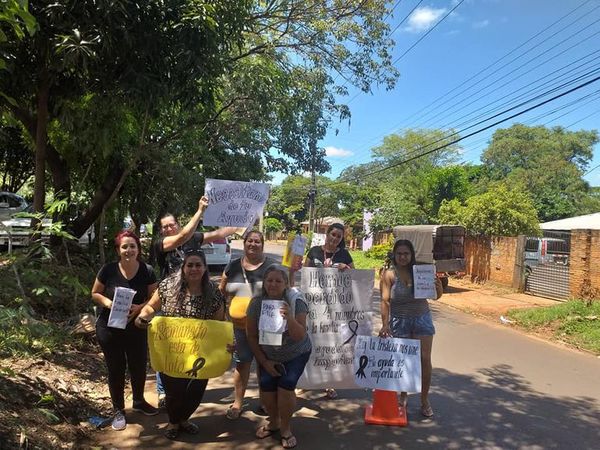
(119, 423)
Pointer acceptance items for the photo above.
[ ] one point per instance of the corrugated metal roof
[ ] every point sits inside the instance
(586, 222)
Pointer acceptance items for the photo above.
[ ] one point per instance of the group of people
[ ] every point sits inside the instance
(185, 290)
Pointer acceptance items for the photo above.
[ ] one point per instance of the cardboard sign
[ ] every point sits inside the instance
(424, 278)
(120, 307)
(270, 317)
(294, 249)
(269, 338)
(234, 203)
(189, 348)
(339, 304)
(317, 239)
(388, 364)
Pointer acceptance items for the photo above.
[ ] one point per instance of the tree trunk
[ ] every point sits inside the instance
(41, 138)
(101, 198)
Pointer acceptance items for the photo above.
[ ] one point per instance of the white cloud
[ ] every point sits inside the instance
(481, 24)
(423, 19)
(335, 152)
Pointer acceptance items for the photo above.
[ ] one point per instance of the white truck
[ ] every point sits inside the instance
(441, 245)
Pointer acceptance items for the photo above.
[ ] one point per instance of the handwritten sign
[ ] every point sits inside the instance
(270, 316)
(317, 239)
(339, 304)
(120, 308)
(389, 364)
(189, 348)
(424, 278)
(234, 203)
(299, 244)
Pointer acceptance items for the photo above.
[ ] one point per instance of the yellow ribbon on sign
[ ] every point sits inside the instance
(189, 348)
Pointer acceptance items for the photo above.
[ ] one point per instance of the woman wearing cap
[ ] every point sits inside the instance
(186, 293)
(282, 363)
(242, 280)
(124, 348)
(404, 316)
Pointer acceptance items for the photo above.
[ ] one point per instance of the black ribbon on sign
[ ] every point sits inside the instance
(353, 330)
(198, 364)
(363, 361)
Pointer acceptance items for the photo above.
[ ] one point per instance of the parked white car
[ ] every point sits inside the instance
(11, 204)
(218, 253)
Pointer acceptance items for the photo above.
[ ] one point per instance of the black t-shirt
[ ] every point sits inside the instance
(172, 260)
(316, 256)
(111, 277)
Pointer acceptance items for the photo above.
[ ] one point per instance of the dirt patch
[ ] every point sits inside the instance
(46, 402)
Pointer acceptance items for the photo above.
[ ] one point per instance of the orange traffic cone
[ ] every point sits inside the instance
(385, 410)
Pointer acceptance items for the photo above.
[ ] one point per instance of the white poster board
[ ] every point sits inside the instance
(234, 203)
(120, 308)
(340, 309)
(424, 279)
(317, 239)
(270, 316)
(388, 364)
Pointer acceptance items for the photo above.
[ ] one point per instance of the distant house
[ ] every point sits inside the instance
(586, 222)
(321, 224)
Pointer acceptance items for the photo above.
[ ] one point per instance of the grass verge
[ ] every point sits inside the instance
(573, 322)
(364, 262)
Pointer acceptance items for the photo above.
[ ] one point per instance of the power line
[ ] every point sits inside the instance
(496, 62)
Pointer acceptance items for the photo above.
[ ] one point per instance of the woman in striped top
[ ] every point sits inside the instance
(404, 316)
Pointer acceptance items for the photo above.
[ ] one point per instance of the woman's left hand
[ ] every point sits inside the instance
(134, 311)
(231, 348)
(342, 266)
(284, 311)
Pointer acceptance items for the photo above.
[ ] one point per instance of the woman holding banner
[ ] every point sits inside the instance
(242, 280)
(186, 293)
(280, 355)
(332, 253)
(404, 316)
(128, 347)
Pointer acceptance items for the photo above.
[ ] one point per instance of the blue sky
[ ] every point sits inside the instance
(478, 34)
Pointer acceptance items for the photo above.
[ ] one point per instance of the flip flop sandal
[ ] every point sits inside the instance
(172, 433)
(285, 441)
(427, 411)
(263, 432)
(233, 413)
(189, 427)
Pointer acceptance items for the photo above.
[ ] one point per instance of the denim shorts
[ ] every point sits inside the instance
(243, 352)
(288, 381)
(408, 327)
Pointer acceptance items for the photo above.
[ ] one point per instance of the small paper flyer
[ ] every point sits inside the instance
(424, 278)
(120, 308)
(299, 244)
(270, 318)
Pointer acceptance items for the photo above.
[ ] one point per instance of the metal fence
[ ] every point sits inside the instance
(546, 264)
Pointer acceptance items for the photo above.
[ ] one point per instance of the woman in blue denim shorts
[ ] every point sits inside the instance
(404, 316)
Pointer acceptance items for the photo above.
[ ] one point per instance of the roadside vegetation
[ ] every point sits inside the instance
(575, 322)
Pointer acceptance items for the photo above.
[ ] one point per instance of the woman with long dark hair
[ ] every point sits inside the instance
(404, 316)
(124, 348)
(333, 252)
(186, 293)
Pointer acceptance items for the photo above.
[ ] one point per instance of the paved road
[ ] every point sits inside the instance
(493, 388)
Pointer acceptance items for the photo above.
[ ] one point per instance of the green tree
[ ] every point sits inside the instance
(501, 211)
(273, 225)
(550, 161)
